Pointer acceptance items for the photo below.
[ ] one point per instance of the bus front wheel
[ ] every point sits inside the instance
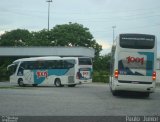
(20, 83)
(57, 82)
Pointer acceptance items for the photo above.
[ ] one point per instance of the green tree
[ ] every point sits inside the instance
(73, 34)
(101, 67)
(18, 37)
(40, 38)
(102, 63)
(4, 62)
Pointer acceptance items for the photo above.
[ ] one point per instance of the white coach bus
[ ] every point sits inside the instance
(45, 71)
(85, 69)
(133, 63)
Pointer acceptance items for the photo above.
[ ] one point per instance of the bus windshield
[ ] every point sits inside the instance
(85, 61)
(12, 68)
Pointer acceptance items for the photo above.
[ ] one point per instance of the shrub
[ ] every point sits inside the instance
(101, 76)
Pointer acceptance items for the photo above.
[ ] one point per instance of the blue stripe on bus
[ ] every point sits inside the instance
(149, 67)
(41, 75)
(150, 57)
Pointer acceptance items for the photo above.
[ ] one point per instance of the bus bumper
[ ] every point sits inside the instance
(85, 81)
(134, 87)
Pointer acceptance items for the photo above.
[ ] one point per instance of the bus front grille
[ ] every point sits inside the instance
(70, 79)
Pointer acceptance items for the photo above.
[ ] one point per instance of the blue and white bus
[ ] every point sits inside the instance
(133, 63)
(45, 71)
(85, 68)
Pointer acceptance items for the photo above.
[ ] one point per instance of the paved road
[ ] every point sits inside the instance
(83, 100)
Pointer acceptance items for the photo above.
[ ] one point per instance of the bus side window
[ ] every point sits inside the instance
(50, 64)
(40, 65)
(53, 64)
(66, 64)
(31, 65)
(69, 63)
(59, 64)
(22, 67)
(20, 71)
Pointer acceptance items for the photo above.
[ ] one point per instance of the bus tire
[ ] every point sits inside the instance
(114, 93)
(57, 82)
(72, 85)
(20, 82)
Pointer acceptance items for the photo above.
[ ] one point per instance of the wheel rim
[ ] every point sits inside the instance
(21, 83)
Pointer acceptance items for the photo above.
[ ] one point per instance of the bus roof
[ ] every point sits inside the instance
(43, 58)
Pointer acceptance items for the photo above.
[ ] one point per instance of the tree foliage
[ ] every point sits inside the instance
(39, 38)
(102, 63)
(17, 37)
(73, 34)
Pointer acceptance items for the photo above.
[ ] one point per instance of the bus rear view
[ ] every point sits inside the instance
(85, 68)
(134, 64)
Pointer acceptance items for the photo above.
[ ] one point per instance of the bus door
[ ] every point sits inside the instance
(26, 72)
(28, 76)
(12, 72)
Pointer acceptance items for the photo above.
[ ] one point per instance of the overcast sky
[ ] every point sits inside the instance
(129, 16)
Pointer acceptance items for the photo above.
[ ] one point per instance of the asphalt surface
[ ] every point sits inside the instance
(82, 100)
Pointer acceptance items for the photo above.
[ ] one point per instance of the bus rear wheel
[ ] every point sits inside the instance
(57, 82)
(115, 93)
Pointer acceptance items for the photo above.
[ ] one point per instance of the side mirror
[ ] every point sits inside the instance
(9, 66)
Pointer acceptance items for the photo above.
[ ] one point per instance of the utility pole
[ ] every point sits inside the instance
(111, 63)
(113, 27)
(49, 1)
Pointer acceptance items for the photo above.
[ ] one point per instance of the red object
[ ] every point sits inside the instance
(133, 59)
(154, 76)
(42, 74)
(116, 73)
